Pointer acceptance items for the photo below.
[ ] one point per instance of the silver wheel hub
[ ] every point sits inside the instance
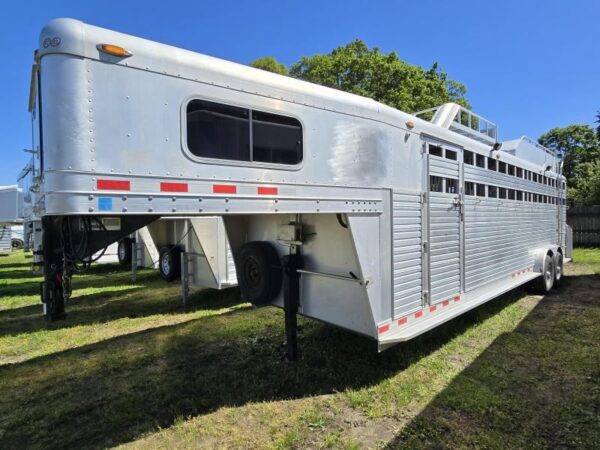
(166, 264)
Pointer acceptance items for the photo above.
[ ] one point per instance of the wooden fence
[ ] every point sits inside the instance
(585, 221)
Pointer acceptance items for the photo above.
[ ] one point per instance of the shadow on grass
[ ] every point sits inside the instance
(15, 265)
(100, 275)
(535, 387)
(114, 391)
(106, 306)
(18, 274)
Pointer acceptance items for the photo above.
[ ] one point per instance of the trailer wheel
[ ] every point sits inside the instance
(169, 262)
(124, 251)
(544, 283)
(17, 244)
(258, 272)
(558, 269)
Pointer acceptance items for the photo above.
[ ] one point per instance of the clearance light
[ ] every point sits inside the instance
(114, 50)
(410, 125)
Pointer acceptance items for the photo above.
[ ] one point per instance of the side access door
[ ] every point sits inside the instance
(444, 211)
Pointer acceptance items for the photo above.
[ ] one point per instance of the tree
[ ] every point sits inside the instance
(384, 77)
(270, 64)
(598, 122)
(587, 191)
(580, 148)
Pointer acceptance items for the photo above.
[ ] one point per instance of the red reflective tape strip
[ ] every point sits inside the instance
(432, 308)
(418, 314)
(267, 190)
(402, 321)
(457, 298)
(116, 185)
(445, 302)
(224, 189)
(384, 328)
(174, 187)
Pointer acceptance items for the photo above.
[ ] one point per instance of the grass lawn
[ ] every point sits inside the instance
(130, 366)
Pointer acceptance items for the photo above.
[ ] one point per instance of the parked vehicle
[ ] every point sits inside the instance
(335, 206)
(16, 237)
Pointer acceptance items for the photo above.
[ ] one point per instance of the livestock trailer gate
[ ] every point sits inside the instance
(335, 206)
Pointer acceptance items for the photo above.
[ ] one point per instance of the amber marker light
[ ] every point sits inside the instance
(114, 50)
(410, 125)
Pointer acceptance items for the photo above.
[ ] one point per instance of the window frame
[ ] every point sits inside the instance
(233, 162)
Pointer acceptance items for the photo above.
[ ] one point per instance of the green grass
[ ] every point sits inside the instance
(131, 366)
(589, 257)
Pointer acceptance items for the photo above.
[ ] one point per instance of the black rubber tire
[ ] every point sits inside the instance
(544, 284)
(16, 244)
(559, 264)
(258, 272)
(124, 251)
(169, 263)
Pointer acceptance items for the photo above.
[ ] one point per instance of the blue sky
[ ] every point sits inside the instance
(528, 65)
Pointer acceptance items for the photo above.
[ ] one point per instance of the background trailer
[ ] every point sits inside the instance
(11, 217)
(335, 206)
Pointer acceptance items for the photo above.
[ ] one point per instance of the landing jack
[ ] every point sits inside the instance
(53, 289)
(291, 301)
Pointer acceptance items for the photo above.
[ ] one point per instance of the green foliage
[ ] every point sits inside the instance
(598, 122)
(270, 64)
(581, 149)
(587, 191)
(384, 77)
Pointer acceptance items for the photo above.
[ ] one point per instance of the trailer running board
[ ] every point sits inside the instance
(419, 322)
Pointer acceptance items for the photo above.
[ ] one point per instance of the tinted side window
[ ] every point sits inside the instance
(228, 132)
(218, 131)
(276, 139)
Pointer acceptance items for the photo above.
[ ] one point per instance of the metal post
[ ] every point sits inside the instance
(291, 300)
(185, 278)
(134, 261)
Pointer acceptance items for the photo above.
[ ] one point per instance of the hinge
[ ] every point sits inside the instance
(423, 198)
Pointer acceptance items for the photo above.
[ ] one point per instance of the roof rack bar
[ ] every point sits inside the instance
(462, 121)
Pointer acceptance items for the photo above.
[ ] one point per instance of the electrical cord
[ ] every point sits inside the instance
(75, 255)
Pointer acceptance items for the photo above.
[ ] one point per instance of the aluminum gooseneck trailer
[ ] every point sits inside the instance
(335, 206)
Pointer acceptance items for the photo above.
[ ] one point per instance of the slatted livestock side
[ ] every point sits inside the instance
(407, 257)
